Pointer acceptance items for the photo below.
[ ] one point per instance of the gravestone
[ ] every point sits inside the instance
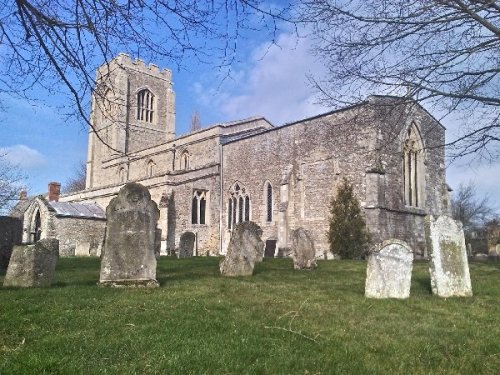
(128, 257)
(82, 249)
(388, 272)
(449, 267)
(186, 245)
(303, 253)
(245, 248)
(32, 265)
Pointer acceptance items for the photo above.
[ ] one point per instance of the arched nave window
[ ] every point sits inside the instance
(239, 205)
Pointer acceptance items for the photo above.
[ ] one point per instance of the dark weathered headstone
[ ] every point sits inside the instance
(303, 253)
(449, 267)
(128, 257)
(245, 248)
(186, 245)
(388, 274)
(32, 265)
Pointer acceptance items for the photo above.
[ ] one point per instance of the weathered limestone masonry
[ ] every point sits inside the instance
(449, 267)
(388, 273)
(245, 249)
(282, 178)
(129, 250)
(32, 265)
(380, 145)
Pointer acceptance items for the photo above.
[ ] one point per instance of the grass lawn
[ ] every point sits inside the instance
(279, 321)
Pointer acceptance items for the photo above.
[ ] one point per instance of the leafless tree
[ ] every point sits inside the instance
(77, 181)
(195, 122)
(49, 42)
(473, 211)
(11, 183)
(445, 53)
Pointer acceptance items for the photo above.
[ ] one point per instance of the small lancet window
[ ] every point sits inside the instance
(413, 168)
(185, 160)
(269, 202)
(150, 168)
(145, 105)
(122, 175)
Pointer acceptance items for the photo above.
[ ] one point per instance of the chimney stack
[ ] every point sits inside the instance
(54, 191)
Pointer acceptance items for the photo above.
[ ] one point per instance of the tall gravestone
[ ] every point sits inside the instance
(32, 265)
(303, 253)
(449, 267)
(186, 245)
(128, 257)
(388, 272)
(245, 248)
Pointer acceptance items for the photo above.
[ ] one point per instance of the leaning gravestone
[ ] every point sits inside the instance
(303, 253)
(449, 267)
(32, 265)
(128, 257)
(186, 245)
(245, 248)
(388, 274)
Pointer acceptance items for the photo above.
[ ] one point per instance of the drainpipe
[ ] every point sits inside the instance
(221, 194)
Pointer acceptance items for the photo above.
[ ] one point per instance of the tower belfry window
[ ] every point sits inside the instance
(145, 105)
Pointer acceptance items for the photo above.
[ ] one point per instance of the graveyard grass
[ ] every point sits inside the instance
(279, 321)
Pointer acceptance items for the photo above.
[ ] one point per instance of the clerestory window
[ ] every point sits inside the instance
(145, 105)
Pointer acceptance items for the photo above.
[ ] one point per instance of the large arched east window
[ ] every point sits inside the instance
(145, 105)
(413, 168)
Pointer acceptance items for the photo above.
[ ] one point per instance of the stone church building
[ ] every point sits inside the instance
(281, 178)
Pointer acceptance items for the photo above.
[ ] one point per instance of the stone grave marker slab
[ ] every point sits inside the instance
(388, 272)
(449, 267)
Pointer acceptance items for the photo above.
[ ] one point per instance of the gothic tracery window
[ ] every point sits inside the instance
(199, 207)
(145, 105)
(413, 168)
(239, 206)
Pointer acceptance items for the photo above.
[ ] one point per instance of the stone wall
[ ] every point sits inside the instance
(305, 161)
(11, 230)
(74, 231)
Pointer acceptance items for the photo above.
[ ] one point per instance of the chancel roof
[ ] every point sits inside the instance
(81, 210)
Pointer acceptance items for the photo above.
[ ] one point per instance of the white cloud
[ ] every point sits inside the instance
(23, 156)
(273, 84)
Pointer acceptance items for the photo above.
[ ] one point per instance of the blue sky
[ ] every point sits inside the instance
(269, 80)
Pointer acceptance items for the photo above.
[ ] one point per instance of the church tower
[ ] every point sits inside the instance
(133, 108)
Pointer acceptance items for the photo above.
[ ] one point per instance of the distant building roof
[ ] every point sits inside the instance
(82, 210)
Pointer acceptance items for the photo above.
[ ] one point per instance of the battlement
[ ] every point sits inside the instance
(124, 61)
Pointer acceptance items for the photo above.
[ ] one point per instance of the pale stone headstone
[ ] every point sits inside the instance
(449, 267)
(128, 257)
(186, 245)
(303, 253)
(32, 265)
(82, 249)
(388, 273)
(245, 248)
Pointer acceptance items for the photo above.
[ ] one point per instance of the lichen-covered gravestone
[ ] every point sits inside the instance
(245, 248)
(388, 273)
(128, 257)
(32, 265)
(449, 267)
(303, 253)
(186, 245)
